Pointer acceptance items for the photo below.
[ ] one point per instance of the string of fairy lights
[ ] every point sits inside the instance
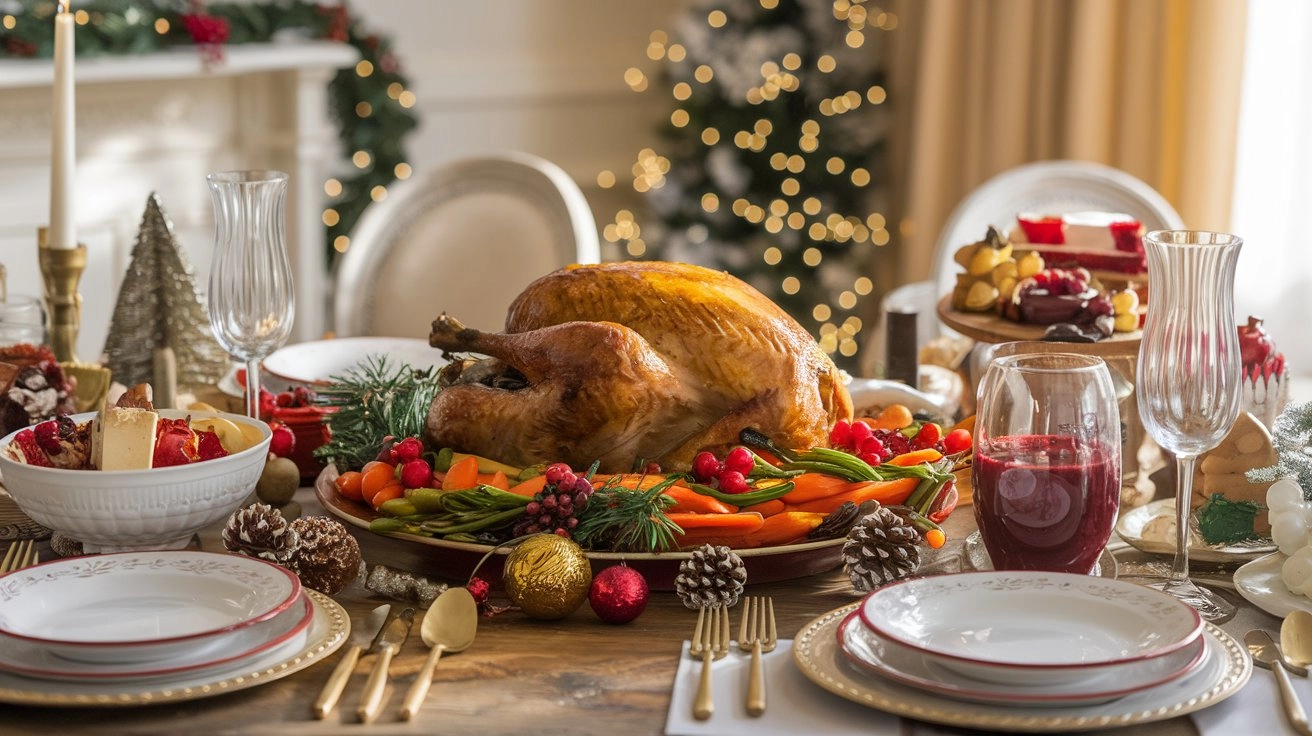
(795, 154)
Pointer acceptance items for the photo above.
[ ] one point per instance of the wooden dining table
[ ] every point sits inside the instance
(573, 676)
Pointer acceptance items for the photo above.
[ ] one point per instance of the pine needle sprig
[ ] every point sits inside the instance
(1292, 436)
(374, 400)
(624, 520)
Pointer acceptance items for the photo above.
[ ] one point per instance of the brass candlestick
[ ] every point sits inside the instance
(62, 270)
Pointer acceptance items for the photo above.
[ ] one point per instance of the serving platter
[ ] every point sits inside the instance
(328, 631)
(816, 653)
(459, 560)
(1132, 525)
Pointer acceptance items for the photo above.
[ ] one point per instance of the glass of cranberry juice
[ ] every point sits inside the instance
(1047, 470)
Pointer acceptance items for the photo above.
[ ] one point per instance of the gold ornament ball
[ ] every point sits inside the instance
(547, 576)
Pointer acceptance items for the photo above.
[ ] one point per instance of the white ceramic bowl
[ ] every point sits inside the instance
(127, 510)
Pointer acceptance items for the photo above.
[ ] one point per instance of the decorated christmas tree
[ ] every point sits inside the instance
(768, 166)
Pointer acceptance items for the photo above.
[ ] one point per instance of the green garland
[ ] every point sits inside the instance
(124, 27)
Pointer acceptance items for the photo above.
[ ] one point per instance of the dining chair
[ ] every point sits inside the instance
(464, 238)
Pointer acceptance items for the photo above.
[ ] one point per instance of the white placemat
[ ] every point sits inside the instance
(1254, 710)
(794, 705)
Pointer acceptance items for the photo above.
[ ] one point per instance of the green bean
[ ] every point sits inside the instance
(749, 498)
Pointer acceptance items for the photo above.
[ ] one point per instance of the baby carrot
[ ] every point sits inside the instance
(916, 457)
(688, 500)
(884, 491)
(766, 508)
(740, 522)
(463, 474)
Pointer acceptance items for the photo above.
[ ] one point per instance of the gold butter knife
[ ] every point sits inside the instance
(363, 631)
(1263, 650)
(387, 643)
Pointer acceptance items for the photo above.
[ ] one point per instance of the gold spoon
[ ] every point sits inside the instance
(1296, 641)
(449, 626)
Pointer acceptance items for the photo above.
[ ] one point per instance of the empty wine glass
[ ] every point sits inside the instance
(251, 302)
(1189, 373)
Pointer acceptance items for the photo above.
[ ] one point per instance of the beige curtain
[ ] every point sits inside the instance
(1147, 86)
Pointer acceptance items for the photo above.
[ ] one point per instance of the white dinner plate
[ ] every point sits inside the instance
(909, 667)
(1132, 524)
(318, 361)
(1224, 672)
(1025, 627)
(285, 632)
(141, 606)
(327, 632)
(1259, 583)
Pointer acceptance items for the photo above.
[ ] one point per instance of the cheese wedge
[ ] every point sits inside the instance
(123, 439)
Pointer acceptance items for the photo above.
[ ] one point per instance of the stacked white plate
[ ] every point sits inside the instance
(1025, 638)
(139, 616)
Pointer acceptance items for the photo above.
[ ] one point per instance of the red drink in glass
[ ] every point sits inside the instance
(1046, 502)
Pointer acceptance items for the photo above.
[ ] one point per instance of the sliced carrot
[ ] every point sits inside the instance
(744, 523)
(894, 416)
(388, 492)
(350, 485)
(813, 486)
(916, 457)
(461, 475)
(374, 476)
(498, 480)
(530, 487)
(765, 508)
(688, 500)
(885, 491)
(786, 528)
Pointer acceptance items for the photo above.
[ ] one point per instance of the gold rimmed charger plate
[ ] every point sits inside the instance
(327, 634)
(816, 653)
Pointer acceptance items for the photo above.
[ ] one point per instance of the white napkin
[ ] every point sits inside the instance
(1254, 710)
(794, 705)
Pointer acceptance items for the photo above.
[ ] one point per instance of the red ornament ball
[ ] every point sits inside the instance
(618, 594)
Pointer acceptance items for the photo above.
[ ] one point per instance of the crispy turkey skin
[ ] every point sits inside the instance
(621, 362)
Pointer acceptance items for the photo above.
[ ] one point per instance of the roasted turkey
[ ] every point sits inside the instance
(628, 362)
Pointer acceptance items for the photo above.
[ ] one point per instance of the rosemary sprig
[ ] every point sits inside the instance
(374, 400)
(625, 520)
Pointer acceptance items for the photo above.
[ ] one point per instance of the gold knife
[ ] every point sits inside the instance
(387, 643)
(363, 631)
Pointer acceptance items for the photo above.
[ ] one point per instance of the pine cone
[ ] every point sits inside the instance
(881, 548)
(713, 576)
(261, 531)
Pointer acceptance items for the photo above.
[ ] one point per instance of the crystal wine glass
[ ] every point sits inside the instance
(1047, 470)
(251, 302)
(1189, 373)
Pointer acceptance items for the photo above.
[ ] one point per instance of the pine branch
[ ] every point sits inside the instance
(1292, 435)
(374, 401)
(625, 520)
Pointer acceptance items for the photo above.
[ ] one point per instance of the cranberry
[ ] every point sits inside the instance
(731, 481)
(841, 434)
(416, 474)
(740, 459)
(860, 432)
(407, 450)
(705, 466)
(555, 472)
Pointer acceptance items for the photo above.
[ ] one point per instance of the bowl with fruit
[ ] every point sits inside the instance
(132, 478)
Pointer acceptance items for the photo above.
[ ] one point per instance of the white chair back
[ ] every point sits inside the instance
(464, 238)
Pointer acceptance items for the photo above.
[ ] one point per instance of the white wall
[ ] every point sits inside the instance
(541, 77)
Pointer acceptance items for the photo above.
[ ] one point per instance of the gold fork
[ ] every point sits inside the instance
(757, 633)
(710, 640)
(20, 554)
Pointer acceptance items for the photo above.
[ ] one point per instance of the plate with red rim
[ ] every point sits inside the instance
(288, 630)
(459, 560)
(906, 666)
(317, 362)
(1024, 627)
(131, 607)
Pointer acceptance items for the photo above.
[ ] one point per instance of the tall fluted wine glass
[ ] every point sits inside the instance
(1189, 373)
(251, 302)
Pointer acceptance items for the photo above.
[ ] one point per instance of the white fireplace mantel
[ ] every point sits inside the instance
(159, 123)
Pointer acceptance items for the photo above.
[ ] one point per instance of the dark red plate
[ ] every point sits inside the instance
(457, 560)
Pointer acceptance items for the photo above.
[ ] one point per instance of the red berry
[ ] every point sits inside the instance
(958, 440)
(407, 450)
(841, 434)
(283, 399)
(731, 481)
(740, 459)
(874, 448)
(478, 588)
(283, 442)
(416, 474)
(928, 436)
(705, 466)
(869, 458)
(860, 431)
(555, 472)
